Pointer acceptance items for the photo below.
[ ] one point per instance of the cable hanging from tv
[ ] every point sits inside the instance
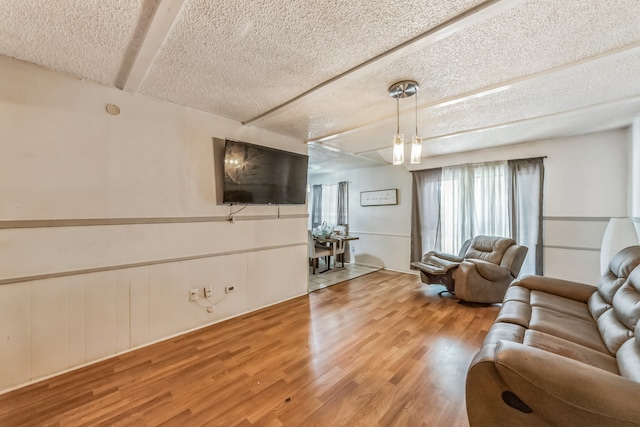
(230, 217)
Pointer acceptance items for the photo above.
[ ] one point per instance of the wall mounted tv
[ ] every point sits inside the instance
(259, 175)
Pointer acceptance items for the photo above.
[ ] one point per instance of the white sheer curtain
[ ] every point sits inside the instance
(473, 200)
(330, 204)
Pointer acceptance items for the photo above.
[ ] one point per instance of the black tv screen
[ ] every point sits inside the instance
(259, 175)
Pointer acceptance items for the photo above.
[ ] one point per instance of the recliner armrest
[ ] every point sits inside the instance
(564, 288)
(488, 270)
(446, 256)
(564, 391)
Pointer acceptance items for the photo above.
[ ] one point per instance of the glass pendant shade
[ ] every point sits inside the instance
(416, 149)
(398, 149)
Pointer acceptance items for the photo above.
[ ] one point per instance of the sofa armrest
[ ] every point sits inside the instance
(564, 288)
(563, 391)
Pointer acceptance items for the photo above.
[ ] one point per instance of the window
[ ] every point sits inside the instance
(473, 200)
(330, 204)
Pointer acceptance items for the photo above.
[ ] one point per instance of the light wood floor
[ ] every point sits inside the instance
(382, 349)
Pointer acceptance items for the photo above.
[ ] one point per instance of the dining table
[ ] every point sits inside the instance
(333, 241)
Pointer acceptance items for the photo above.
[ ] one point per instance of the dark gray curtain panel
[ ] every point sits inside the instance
(316, 207)
(526, 186)
(343, 203)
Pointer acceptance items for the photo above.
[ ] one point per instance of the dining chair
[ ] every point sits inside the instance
(338, 247)
(316, 252)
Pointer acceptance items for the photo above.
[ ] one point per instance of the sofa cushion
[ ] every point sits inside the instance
(574, 329)
(571, 350)
(560, 304)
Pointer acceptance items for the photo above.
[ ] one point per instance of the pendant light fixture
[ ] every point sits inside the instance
(405, 89)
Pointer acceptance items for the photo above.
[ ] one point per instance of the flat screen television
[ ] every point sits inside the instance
(259, 175)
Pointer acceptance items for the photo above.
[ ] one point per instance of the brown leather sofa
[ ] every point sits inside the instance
(562, 353)
(481, 272)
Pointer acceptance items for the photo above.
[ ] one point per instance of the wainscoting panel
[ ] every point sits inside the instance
(49, 307)
(15, 334)
(177, 279)
(139, 306)
(100, 309)
(123, 315)
(155, 302)
(77, 320)
(233, 270)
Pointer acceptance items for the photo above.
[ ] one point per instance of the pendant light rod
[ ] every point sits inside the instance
(416, 112)
(398, 115)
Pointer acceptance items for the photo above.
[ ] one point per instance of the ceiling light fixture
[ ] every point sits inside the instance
(405, 89)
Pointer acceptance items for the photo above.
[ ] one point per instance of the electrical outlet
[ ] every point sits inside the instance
(229, 289)
(193, 295)
(208, 291)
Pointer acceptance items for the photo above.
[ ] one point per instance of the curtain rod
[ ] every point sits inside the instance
(478, 163)
(332, 183)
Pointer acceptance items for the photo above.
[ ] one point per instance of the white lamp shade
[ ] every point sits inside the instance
(619, 234)
(398, 149)
(416, 149)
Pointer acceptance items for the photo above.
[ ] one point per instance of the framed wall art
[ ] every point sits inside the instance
(379, 197)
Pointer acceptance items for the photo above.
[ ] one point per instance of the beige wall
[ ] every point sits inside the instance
(107, 221)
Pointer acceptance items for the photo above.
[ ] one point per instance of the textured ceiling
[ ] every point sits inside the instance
(491, 73)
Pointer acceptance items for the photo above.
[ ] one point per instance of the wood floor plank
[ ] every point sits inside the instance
(381, 349)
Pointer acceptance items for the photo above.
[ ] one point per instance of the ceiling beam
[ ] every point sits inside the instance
(489, 90)
(161, 22)
(475, 15)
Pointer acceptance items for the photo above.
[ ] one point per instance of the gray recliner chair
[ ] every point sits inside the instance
(481, 272)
